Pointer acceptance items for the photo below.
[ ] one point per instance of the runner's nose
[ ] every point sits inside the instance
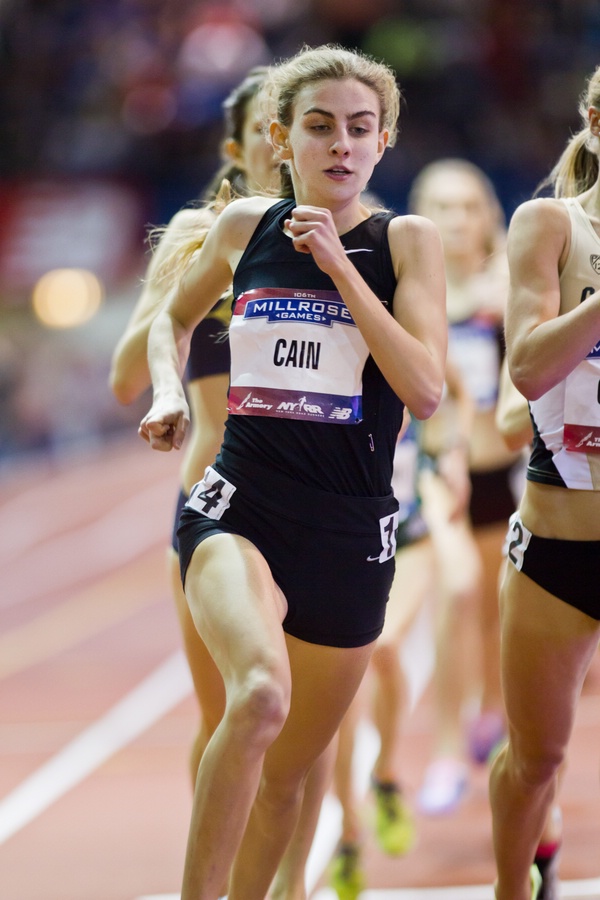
(340, 145)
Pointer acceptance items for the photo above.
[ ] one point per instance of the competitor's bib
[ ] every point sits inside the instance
(474, 348)
(296, 355)
(212, 495)
(582, 406)
(516, 541)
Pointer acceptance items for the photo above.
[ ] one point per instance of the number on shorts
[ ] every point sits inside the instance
(517, 540)
(388, 526)
(389, 529)
(211, 496)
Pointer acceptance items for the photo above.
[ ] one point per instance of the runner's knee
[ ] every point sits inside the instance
(259, 706)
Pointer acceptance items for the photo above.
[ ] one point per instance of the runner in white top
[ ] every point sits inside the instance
(550, 608)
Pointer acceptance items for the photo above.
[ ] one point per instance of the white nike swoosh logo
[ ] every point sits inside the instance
(360, 250)
(372, 559)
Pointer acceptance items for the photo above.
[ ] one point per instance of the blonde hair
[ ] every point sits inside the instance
(577, 168)
(330, 62)
(494, 241)
(191, 237)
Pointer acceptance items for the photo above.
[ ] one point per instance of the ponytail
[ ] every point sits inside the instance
(577, 169)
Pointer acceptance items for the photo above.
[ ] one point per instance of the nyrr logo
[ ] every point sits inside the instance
(595, 261)
(302, 406)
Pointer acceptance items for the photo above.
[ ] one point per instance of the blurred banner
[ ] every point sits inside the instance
(92, 224)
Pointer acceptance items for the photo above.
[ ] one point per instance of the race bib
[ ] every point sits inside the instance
(388, 527)
(474, 349)
(517, 540)
(581, 432)
(211, 496)
(296, 355)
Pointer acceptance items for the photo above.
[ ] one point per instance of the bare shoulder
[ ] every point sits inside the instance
(411, 237)
(185, 224)
(239, 219)
(190, 217)
(413, 228)
(543, 214)
(539, 228)
(246, 209)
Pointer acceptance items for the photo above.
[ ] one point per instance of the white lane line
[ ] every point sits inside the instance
(155, 696)
(417, 659)
(587, 887)
(123, 533)
(569, 890)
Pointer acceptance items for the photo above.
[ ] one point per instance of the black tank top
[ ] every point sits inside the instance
(357, 459)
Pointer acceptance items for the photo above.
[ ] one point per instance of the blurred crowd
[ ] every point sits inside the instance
(127, 94)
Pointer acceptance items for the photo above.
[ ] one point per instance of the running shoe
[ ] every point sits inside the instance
(548, 869)
(536, 882)
(345, 874)
(444, 786)
(394, 823)
(485, 735)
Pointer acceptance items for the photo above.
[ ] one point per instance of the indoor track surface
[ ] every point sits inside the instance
(97, 715)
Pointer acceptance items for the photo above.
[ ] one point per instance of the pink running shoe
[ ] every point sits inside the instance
(484, 734)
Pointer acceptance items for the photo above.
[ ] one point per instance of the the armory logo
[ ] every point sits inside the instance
(251, 402)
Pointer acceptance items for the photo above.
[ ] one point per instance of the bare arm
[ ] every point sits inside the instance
(464, 407)
(512, 413)
(543, 347)
(453, 459)
(410, 347)
(207, 277)
(129, 374)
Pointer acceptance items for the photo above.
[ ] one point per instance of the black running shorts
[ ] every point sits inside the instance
(570, 570)
(181, 501)
(331, 555)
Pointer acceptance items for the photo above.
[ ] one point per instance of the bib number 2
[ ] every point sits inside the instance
(212, 495)
(517, 539)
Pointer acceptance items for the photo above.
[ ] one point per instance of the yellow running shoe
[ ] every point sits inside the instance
(535, 879)
(536, 882)
(395, 828)
(345, 874)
